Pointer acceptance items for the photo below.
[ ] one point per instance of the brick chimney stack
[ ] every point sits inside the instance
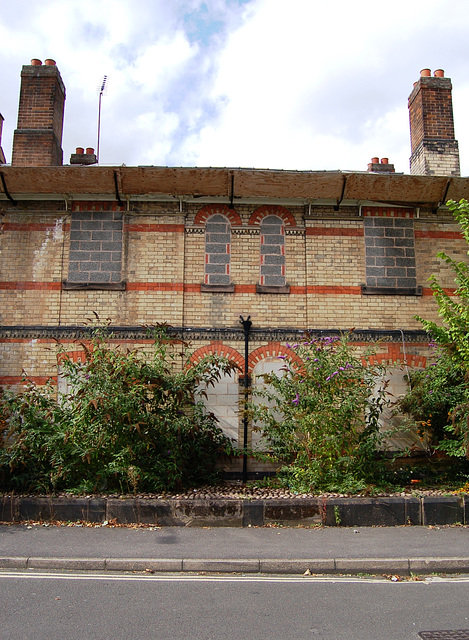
(375, 166)
(2, 155)
(435, 150)
(37, 141)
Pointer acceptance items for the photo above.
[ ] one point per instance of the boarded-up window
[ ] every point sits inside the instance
(221, 399)
(217, 250)
(95, 247)
(272, 268)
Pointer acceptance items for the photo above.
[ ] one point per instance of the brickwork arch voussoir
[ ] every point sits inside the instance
(212, 209)
(272, 210)
(221, 349)
(272, 350)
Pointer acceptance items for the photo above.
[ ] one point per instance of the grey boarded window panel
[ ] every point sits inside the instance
(389, 245)
(217, 250)
(95, 247)
(272, 271)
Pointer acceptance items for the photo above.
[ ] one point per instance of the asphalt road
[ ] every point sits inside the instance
(125, 606)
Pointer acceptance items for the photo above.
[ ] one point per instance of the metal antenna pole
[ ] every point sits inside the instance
(103, 85)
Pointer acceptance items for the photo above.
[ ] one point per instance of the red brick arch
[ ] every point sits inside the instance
(74, 356)
(394, 355)
(272, 350)
(212, 209)
(220, 349)
(272, 210)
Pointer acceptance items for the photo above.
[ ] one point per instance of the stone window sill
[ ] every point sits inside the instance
(217, 288)
(93, 286)
(390, 291)
(266, 288)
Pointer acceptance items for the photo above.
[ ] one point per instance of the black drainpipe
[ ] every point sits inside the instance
(247, 324)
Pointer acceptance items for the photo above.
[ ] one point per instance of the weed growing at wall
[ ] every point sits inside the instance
(321, 418)
(438, 400)
(129, 422)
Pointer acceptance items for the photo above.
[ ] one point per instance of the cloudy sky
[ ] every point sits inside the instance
(280, 84)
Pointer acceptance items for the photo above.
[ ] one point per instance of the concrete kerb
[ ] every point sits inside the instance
(317, 566)
(347, 512)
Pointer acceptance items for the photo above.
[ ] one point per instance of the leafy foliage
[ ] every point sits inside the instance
(128, 422)
(438, 400)
(324, 425)
(453, 335)
(434, 401)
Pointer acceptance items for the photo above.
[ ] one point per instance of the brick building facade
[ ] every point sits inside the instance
(198, 248)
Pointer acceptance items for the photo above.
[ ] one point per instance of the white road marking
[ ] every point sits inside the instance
(29, 575)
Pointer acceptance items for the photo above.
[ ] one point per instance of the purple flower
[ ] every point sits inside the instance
(282, 357)
(296, 400)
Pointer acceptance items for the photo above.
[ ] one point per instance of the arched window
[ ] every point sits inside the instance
(222, 399)
(272, 365)
(217, 250)
(272, 267)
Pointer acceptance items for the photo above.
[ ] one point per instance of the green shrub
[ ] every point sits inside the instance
(438, 400)
(324, 425)
(129, 422)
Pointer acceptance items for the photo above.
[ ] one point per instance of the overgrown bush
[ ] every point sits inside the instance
(129, 422)
(434, 403)
(438, 400)
(320, 416)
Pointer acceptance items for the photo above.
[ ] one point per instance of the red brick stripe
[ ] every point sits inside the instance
(155, 286)
(28, 226)
(388, 212)
(31, 286)
(332, 231)
(155, 228)
(40, 380)
(195, 288)
(451, 235)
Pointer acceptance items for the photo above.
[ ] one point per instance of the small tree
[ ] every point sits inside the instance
(128, 422)
(438, 400)
(324, 425)
(453, 335)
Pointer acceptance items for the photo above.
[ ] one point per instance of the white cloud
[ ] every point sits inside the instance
(308, 84)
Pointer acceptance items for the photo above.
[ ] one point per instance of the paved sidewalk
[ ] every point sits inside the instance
(400, 550)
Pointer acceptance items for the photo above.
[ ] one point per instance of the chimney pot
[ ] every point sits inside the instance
(49, 62)
(37, 140)
(80, 150)
(374, 160)
(90, 151)
(35, 62)
(384, 160)
(434, 147)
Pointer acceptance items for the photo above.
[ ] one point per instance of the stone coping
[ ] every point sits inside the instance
(183, 512)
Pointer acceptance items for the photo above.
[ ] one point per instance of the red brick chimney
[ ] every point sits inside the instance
(435, 150)
(375, 166)
(2, 155)
(37, 141)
